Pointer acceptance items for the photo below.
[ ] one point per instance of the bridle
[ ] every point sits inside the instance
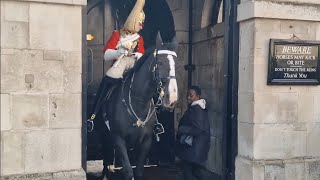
(160, 88)
(159, 91)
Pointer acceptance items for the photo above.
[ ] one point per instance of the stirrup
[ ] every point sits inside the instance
(90, 125)
(158, 129)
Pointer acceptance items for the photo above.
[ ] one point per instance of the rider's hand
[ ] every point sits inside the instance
(122, 51)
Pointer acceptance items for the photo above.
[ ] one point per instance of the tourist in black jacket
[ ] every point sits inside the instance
(193, 136)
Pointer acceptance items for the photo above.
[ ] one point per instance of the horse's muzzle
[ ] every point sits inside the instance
(173, 104)
(169, 104)
(171, 94)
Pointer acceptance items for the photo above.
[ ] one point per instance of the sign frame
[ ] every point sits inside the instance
(292, 81)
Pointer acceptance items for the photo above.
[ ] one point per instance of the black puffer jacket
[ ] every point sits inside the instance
(194, 122)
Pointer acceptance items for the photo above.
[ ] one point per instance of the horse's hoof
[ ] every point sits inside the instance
(111, 168)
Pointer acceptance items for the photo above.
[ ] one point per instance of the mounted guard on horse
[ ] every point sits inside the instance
(126, 101)
(124, 47)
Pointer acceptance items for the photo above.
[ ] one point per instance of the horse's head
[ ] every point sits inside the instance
(168, 89)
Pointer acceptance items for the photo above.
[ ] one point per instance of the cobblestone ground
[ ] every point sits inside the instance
(94, 169)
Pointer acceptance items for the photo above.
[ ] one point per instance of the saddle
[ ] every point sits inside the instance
(114, 83)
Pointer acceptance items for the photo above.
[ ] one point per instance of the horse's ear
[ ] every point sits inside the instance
(159, 42)
(173, 45)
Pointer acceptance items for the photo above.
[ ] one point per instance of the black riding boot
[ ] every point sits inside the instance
(106, 84)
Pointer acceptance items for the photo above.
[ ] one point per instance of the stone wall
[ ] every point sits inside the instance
(180, 13)
(41, 89)
(208, 57)
(278, 125)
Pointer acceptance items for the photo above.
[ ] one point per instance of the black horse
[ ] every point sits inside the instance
(133, 101)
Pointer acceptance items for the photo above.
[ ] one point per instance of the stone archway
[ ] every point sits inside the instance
(207, 13)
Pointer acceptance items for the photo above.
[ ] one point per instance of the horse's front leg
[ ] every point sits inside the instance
(142, 153)
(121, 149)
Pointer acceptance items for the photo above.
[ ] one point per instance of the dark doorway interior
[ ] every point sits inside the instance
(162, 152)
(102, 20)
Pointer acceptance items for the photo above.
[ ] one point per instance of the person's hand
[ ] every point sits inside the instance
(122, 51)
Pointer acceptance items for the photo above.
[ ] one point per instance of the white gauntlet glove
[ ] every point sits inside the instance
(122, 51)
(112, 54)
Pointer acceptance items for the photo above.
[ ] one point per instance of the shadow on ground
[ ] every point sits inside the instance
(152, 173)
(163, 172)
